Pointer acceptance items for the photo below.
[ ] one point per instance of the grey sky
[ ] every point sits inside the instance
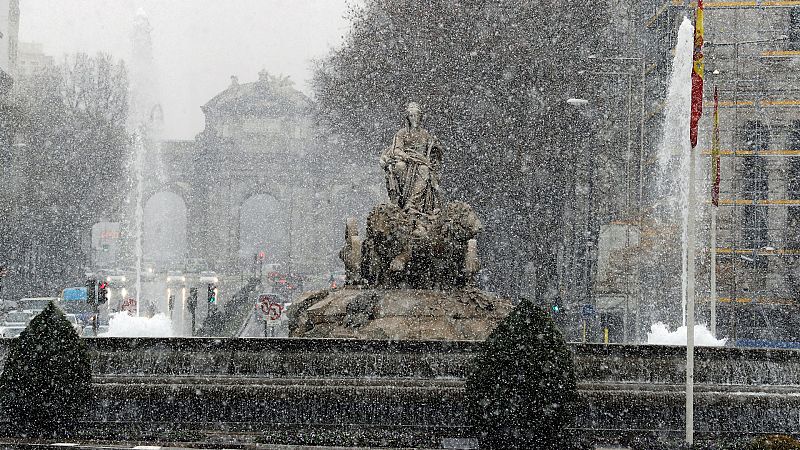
(198, 44)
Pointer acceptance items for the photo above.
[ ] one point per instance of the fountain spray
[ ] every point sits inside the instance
(138, 145)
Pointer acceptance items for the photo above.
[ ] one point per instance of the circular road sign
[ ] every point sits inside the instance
(275, 310)
(129, 304)
(270, 308)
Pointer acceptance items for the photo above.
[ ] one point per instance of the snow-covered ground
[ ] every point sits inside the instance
(660, 335)
(123, 325)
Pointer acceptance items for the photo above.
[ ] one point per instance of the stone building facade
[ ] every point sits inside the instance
(9, 42)
(752, 55)
(31, 59)
(259, 154)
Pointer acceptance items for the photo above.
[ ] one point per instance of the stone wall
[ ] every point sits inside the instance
(409, 393)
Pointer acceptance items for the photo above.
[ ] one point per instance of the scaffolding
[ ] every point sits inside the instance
(752, 55)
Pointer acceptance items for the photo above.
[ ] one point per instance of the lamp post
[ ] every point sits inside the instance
(629, 76)
(585, 109)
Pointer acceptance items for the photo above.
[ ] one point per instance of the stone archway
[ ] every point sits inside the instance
(164, 231)
(263, 227)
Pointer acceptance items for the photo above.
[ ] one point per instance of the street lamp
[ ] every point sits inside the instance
(583, 107)
(628, 75)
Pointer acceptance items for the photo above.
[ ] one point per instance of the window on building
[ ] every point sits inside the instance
(755, 135)
(794, 135)
(793, 227)
(794, 25)
(793, 178)
(754, 232)
(793, 188)
(793, 163)
(755, 181)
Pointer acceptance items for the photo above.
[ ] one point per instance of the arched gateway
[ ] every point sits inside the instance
(255, 178)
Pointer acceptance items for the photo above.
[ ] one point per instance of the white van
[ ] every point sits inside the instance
(35, 304)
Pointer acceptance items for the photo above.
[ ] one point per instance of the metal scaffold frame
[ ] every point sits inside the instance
(752, 260)
(758, 73)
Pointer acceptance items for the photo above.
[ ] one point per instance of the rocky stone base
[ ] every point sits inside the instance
(352, 312)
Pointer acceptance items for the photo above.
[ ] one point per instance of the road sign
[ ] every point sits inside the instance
(76, 294)
(587, 311)
(271, 309)
(129, 304)
(275, 311)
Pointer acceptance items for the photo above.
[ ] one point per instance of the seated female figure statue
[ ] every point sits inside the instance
(412, 166)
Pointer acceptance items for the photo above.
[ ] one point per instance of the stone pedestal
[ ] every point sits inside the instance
(397, 314)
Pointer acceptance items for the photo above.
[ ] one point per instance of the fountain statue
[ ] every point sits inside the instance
(413, 274)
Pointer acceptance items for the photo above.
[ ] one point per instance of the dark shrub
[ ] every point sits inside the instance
(521, 392)
(46, 382)
(774, 442)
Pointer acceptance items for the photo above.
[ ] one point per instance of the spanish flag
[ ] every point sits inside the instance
(715, 175)
(697, 75)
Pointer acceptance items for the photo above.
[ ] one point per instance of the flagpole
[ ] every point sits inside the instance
(715, 179)
(714, 271)
(696, 113)
(690, 291)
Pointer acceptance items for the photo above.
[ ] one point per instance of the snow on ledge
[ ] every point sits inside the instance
(660, 335)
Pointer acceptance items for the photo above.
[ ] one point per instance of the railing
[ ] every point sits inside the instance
(226, 322)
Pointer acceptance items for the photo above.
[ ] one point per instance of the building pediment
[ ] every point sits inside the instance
(269, 96)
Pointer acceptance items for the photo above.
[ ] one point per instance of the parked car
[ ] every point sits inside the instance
(116, 277)
(18, 319)
(8, 305)
(176, 277)
(11, 331)
(35, 303)
(89, 332)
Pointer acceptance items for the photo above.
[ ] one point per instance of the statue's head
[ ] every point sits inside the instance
(413, 114)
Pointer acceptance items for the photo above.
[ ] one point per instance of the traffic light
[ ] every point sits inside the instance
(556, 307)
(192, 299)
(212, 294)
(91, 293)
(102, 292)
